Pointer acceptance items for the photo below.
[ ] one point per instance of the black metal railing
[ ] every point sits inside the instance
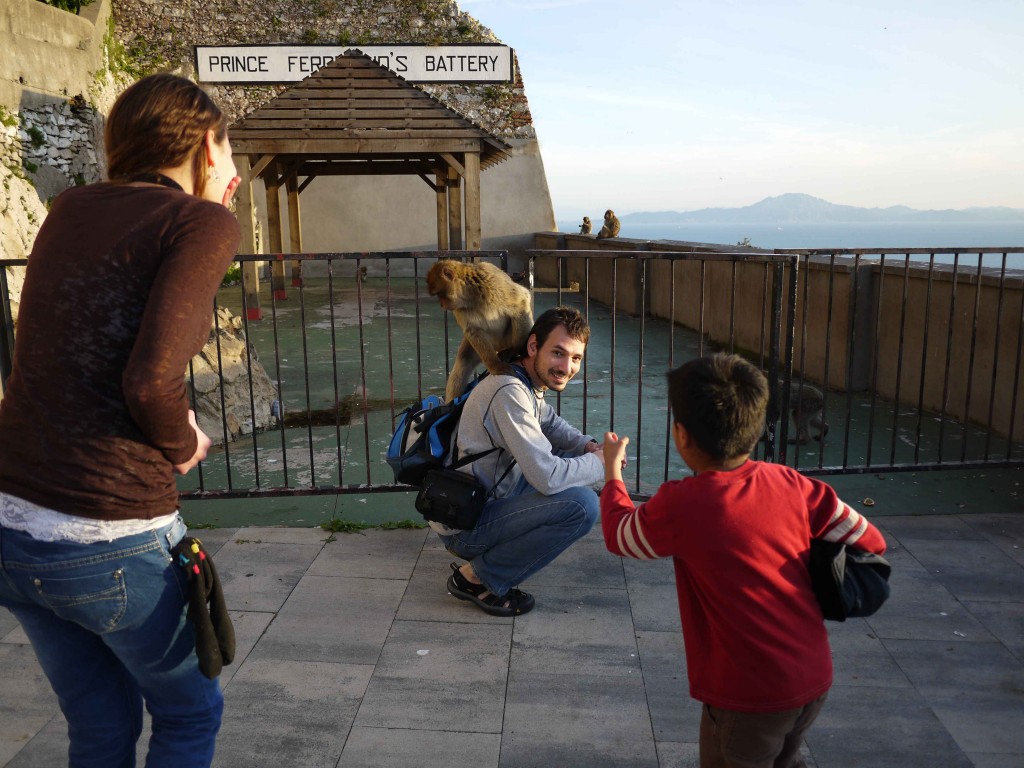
(916, 359)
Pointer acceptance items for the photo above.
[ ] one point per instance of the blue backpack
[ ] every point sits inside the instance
(425, 435)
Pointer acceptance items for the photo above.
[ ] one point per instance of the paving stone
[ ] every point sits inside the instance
(587, 563)
(259, 575)
(333, 619)
(1005, 621)
(588, 630)
(672, 754)
(7, 624)
(980, 571)
(289, 713)
(655, 608)
(269, 534)
(934, 679)
(249, 628)
(861, 726)
(26, 692)
(432, 676)
(928, 527)
(975, 689)
(992, 760)
(576, 721)
(374, 554)
(674, 715)
(642, 573)
(48, 748)
(859, 657)
(402, 748)
(213, 538)
(923, 609)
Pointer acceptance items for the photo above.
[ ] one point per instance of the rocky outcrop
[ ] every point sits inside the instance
(224, 359)
(160, 35)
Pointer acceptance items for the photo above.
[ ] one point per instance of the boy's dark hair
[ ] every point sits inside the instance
(575, 325)
(721, 400)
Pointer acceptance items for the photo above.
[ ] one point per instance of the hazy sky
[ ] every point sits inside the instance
(686, 104)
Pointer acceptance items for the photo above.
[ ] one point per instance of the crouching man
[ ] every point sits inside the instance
(541, 475)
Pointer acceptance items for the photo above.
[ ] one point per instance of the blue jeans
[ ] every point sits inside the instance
(519, 534)
(107, 622)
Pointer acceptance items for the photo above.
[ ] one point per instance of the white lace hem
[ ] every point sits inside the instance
(44, 524)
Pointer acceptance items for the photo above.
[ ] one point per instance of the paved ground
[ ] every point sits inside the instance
(351, 653)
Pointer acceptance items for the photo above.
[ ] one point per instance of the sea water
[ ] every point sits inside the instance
(932, 235)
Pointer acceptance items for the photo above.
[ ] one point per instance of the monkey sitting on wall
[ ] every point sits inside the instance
(807, 408)
(585, 227)
(611, 225)
(494, 313)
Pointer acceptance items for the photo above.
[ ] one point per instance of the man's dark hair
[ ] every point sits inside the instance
(721, 400)
(575, 325)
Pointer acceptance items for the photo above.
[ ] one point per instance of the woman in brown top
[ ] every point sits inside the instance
(94, 424)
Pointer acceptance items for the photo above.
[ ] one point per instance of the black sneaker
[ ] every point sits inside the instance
(515, 602)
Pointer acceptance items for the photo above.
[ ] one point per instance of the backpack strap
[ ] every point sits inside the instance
(520, 373)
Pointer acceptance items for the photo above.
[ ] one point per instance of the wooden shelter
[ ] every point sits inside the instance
(353, 117)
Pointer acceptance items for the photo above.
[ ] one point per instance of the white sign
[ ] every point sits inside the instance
(250, 64)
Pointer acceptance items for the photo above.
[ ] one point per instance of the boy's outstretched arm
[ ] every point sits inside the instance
(614, 455)
(622, 524)
(835, 520)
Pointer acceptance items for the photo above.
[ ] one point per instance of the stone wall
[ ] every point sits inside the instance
(161, 35)
(56, 82)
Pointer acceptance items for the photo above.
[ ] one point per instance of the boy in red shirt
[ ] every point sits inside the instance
(739, 532)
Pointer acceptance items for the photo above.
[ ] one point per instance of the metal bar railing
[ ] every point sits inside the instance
(370, 347)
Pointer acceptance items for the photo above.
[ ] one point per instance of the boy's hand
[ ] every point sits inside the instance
(614, 455)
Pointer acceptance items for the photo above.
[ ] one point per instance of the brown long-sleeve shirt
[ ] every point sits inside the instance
(117, 299)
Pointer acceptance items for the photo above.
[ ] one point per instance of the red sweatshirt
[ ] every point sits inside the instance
(740, 540)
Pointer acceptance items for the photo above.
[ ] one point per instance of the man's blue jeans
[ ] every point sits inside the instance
(107, 622)
(521, 533)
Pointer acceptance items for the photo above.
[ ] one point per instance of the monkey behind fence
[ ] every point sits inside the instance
(494, 313)
(807, 408)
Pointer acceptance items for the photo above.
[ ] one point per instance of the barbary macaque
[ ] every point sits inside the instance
(361, 274)
(494, 313)
(611, 225)
(586, 227)
(807, 407)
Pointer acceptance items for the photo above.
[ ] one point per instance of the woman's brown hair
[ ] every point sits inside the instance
(159, 122)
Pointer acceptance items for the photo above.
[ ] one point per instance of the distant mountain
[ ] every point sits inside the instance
(795, 208)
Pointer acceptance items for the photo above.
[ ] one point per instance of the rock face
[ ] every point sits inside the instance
(224, 359)
(160, 36)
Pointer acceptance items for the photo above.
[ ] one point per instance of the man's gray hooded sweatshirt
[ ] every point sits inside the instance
(504, 412)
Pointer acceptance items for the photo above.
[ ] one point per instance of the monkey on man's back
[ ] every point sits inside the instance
(494, 313)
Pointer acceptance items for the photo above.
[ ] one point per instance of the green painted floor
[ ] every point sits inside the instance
(390, 351)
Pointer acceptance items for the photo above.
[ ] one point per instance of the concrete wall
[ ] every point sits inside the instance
(908, 335)
(49, 54)
(399, 213)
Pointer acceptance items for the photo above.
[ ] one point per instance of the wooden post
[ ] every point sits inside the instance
(294, 225)
(441, 193)
(473, 228)
(454, 210)
(246, 213)
(274, 236)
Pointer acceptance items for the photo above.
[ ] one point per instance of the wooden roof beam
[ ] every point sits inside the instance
(453, 163)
